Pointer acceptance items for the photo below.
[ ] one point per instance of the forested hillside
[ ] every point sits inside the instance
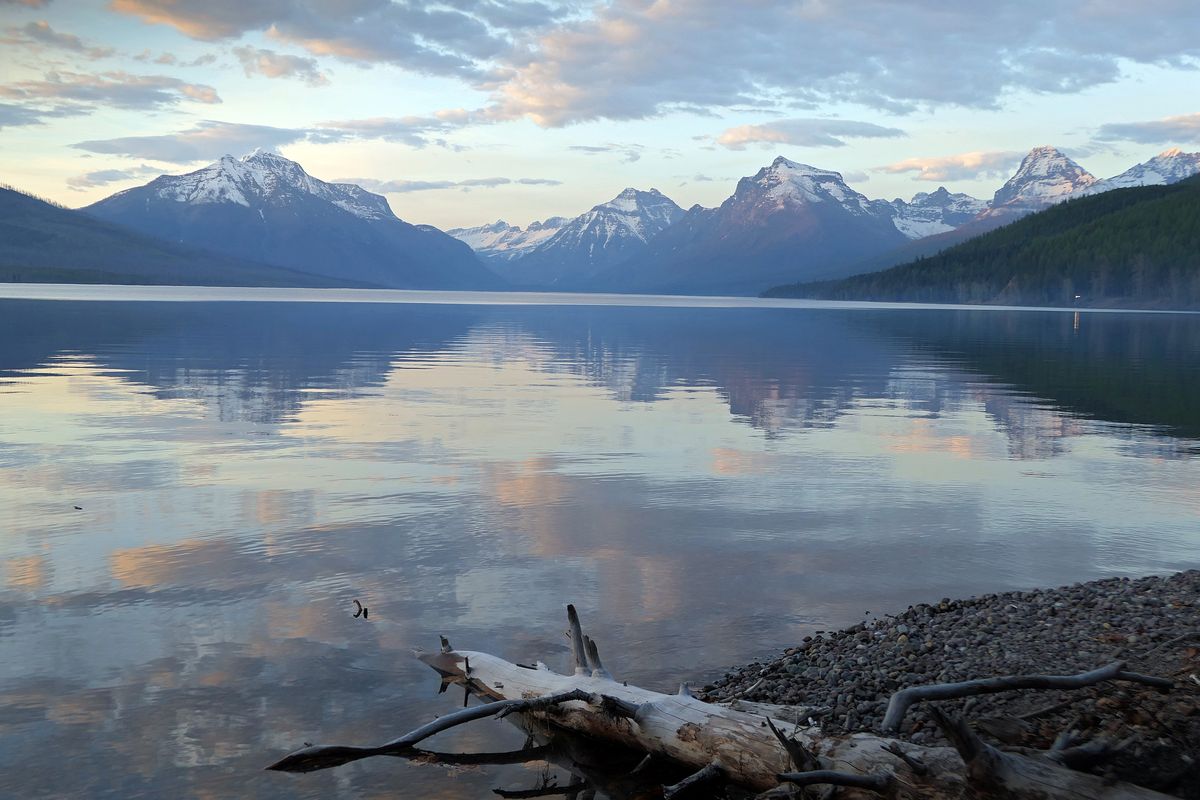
(1130, 247)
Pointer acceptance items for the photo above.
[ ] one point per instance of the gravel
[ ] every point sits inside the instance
(1152, 623)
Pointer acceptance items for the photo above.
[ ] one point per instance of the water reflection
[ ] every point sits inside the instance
(707, 484)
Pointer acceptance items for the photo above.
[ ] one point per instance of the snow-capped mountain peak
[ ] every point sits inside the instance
(504, 241)
(1169, 166)
(1046, 176)
(634, 212)
(558, 251)
(261, 178)
(930, 213)
(630, 199)
(786, 182)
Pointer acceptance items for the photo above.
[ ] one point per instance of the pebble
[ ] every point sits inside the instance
(1045, 631)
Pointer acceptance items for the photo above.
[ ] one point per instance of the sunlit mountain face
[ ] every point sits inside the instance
(244, 471)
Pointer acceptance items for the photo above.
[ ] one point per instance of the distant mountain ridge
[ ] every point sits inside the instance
(265, 207)
(1136, 246)
(502, 241)
(930, 213)
(562, 253)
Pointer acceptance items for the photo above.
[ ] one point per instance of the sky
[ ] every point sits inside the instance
(463, 112)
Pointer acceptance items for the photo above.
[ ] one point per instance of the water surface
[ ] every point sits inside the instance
(707, 484)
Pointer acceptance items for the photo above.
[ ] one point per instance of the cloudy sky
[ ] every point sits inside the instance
(465, 111)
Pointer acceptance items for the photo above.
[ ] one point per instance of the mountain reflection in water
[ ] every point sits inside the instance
(708, 485)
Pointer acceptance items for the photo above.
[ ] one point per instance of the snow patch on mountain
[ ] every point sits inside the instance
(262, 178)
(1046, 176)
(605, 232)
(931, 213)
(503, 241)
(787, 182)
(633, 214)
(1169, 166)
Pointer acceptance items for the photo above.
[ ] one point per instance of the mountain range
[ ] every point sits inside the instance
(788, 222)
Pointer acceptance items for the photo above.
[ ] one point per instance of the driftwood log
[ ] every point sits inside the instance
(755, 746)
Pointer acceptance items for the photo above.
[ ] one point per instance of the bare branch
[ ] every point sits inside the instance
(615, 706)
(1085, 756)
(880, 782)
(570, 790)
(525, 756)
(801, 758)
(318, 757)
(982, 760)
(578, 648)
(593, 654)
(915, 764)
(901, 701)
(712, 774)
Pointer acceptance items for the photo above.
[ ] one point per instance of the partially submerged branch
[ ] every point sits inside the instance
(317, 757)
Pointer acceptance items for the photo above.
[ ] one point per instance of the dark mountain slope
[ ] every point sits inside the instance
(787, 220)
(43, 243)
(1137, 246)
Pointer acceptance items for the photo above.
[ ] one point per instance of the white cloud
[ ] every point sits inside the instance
(270, 64)
(113, 89)
(809, 132)
(40, 33)
(962, 166)
(1169, 130)
(416, 131)
(632, 59)
(103, 177)
(206, 141)
(405, 186)
(564, 62)
(628, 153)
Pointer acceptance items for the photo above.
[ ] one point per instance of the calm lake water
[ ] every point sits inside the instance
(708, 485)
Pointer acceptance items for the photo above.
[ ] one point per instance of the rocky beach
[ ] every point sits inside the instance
(1152, 624)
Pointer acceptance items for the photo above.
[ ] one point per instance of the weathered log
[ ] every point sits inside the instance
(1001, 774)
(751, 750)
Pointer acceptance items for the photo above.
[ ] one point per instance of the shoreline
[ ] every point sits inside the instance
(1152, 623)
(130, 292)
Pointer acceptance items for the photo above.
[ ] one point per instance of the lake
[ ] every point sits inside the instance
(195, 485)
